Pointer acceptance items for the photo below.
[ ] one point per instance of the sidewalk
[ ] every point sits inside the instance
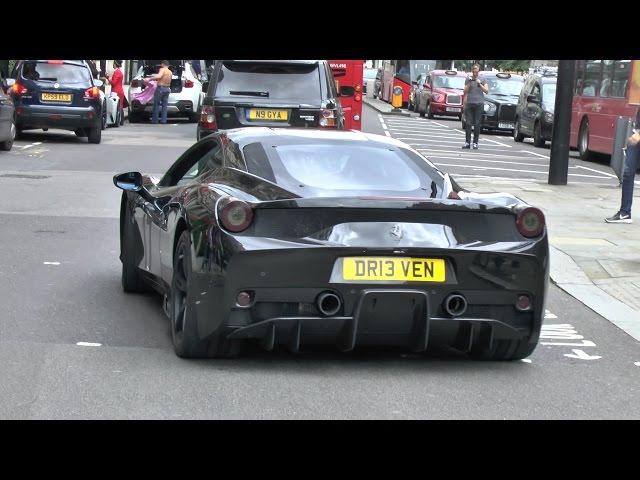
(383, 107)
(595, 262)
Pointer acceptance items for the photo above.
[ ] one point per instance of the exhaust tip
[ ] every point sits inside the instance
(328, 303)
(455, 304)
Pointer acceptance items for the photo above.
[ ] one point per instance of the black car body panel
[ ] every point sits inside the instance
(296, 246)
(296, 92)
(69, 106)
(536, 105)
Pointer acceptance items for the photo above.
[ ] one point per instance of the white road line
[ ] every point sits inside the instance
(428, 135)
(529, 181)
(51, 263)
(534, 153)
(31, 145)
(637, 364)
(485, 149)
(424, 130)
(525, 360)
(598, 171)
(510, 169)
(495, 141)
(471, 159)
(386, 132)
(461, 131)
(441, 124)
(456, 142)
(469, 153)
(415, 124)
(88, 344)
(384, 126)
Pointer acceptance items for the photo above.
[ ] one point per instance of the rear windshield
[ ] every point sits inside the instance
(296, 82)
(343, 169)
(62, 73)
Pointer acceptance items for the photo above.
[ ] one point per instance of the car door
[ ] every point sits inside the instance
(425, 90)
(200, 160)
(532, 109)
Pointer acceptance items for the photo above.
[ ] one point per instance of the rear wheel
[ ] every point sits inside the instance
(504, 350)
(583, 141)
(104, 115)
(517, 136)
(7, 144)
(429, 112)
(133, 116)
(95, 134)
(538, 139)
(184, 328)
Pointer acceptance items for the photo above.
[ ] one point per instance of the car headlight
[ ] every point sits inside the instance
(548, 116)
(489, 108)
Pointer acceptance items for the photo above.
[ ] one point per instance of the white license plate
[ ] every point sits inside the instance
(505, 125)
(453, 109)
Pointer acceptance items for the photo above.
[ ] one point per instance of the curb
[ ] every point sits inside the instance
(569, 277)
(379, 110)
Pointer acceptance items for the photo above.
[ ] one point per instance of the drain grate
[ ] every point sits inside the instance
(33, 177)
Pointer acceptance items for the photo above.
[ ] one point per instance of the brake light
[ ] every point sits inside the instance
(235, 215)
(93, 92)
(358, 88)
(328, 118)
(18, 89)
(208, 117)
(55, 62)
(188, 83)
(358, 97)
(530, 222)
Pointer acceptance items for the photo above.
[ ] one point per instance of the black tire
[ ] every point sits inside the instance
(194, 117)
(104, 115)
(121, 116)
(505, 350)
(19, 133)
(80, 132)
(538, 139)
(583, 141)
(184, 328)
(7, 144)
(95, 134)
(429, 112)
(517, 135)
(132, 279)
(133, 116)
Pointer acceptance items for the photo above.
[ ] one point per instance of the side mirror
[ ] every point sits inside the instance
(414, 83)
(532, 99)
(98, 83)
(131, 181)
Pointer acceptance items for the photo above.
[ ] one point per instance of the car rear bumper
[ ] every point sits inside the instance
(179, 107)
(55, 116)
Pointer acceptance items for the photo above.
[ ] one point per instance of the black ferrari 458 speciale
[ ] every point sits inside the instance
(308, 237)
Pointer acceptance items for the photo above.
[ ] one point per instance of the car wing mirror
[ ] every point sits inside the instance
(130, 181)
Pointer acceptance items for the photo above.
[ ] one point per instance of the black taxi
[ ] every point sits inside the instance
(501, 101)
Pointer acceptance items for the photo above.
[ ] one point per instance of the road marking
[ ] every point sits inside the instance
(384, 126)
(534, 153)
(386, 132)
(598, 171)
(51, 263)
(441, 124)
(429, 135)
(548, 314)
(582, 355)
(499, 143)
(510, 180)
(473, 159)
(31, 145)
(458, 142)
(637, 364)
(525, 360)
(472, 152)
(546, 172)
(461, 131)
(88, 344)
(563, 331)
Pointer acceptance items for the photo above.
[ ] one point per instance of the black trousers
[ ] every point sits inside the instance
(473, 118)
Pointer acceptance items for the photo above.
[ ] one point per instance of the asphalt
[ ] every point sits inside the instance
(60, 284)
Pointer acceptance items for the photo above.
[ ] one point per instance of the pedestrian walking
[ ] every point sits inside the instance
(628, 176)
(161, 96)
(475, 87)
(116, 80)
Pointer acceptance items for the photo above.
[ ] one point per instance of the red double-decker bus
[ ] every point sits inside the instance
(348, 75)
(400, 73)
(604, 90)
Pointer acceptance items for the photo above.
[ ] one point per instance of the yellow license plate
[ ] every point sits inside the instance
(394, 268)
(56, 97)
(271, 115)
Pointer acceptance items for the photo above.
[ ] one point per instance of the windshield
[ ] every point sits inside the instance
(448, 81)
(280, 81)
(64, 74)
(345, 169)
(549, 94)
(504, 86)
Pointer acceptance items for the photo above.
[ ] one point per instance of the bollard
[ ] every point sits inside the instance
(396, 98)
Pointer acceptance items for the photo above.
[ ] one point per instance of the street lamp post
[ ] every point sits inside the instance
(559, 161)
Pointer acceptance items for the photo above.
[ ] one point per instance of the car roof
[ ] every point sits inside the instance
(444, 72)
(72, 62)
(302, 62)
(290, 135)
(489, 73)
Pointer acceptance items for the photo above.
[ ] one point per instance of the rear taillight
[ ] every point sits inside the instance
(358, 88)
(358, 97)
(18, 89)
(530, 222)
(93, 92)
(235, 215)
(208, 117)
(328, 118)
(55, 62)
(188, 84)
